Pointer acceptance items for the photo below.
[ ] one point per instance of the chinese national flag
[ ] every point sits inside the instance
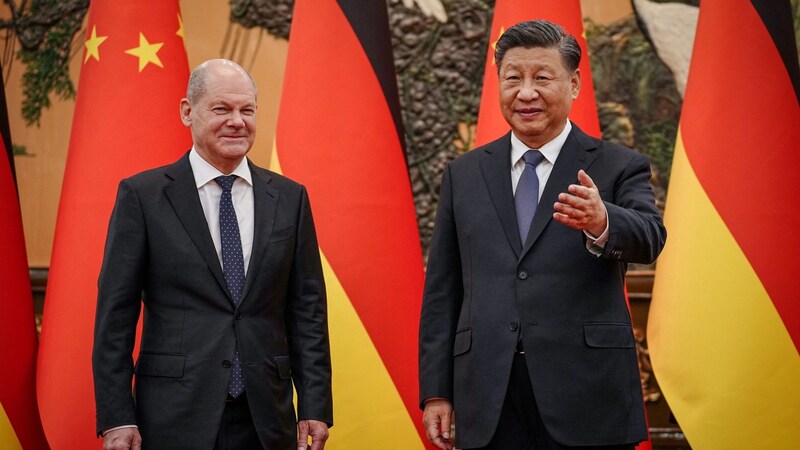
(339, 134)
(566, 13)
(133, 76)
(725, 318)
(19, 416)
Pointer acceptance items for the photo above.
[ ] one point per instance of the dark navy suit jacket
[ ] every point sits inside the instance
(159, 251)
(484, 290)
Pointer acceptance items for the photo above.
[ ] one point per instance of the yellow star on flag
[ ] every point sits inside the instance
(494, 44)
(146, 52)
(180, 30)
(93, 45)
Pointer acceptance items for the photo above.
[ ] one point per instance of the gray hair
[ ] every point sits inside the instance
(199, 76)
(539, 33)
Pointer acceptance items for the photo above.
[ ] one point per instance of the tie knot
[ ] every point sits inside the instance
(225, 181)
(533, 157)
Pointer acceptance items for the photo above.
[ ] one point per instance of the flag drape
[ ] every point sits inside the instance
(133, 76)
(19, 415)
(339, 134)
(566, 13)
(724, 326)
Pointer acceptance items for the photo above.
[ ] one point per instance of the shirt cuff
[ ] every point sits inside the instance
(595, 245)
(105, 432)
(425, 402)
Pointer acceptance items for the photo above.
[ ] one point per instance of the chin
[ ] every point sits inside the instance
(236, 152)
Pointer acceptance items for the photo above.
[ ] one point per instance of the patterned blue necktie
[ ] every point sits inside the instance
(232, 267)
(526, 198)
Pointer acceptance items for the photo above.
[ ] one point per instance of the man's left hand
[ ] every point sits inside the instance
(581, 207)
(317, 430)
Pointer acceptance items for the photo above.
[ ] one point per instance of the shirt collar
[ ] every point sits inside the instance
(550, 150)
(204, 172)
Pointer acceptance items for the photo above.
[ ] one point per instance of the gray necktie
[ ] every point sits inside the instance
(232, 267)
(526, 198)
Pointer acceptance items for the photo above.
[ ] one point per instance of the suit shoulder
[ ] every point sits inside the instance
(277, 180)
(630, 157)
(475, 155)
(153, 176)
(280, 183)
(613, 150)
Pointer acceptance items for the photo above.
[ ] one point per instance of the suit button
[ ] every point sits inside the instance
(237, 316)
(226, 364)
(513, 326)
(522, 275)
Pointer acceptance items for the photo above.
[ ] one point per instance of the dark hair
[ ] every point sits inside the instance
(539, 33)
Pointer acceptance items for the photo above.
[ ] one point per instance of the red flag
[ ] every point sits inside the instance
(133, 76)
(724, 327)
(566, 13)
(339, 134)
(19, 415)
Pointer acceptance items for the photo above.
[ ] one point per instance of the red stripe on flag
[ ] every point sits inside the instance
(336, 135)
(126, 120)
(741, 124)
(17, 324)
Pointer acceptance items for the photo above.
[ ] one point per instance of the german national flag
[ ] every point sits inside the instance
(724, 327)
(133, 75)
(19, 416)
(339, 134)
(507, 13)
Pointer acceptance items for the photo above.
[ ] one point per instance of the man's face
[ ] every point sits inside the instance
(223, 118)
(536, 93)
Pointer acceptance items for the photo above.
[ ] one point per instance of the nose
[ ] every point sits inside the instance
(528, 92)
(236, 120)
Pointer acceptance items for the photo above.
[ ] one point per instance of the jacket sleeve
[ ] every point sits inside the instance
(636, 230)
(118, 305)
(307, 324)
(441, 302)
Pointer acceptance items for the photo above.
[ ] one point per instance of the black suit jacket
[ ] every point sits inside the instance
(159, 252)
(485, 290)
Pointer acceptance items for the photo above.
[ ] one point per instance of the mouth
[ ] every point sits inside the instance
(528, 113)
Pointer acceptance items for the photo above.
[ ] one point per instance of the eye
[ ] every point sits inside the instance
(249, 112)
(219, 110)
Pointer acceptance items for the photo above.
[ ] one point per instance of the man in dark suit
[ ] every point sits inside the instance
(224, 256)
(524, 330)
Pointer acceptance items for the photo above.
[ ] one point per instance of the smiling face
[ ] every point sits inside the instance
(223, 116)
(536, 93)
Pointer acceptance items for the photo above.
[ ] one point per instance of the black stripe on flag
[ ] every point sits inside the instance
(5, 128)
(777, 18)
(370, 22)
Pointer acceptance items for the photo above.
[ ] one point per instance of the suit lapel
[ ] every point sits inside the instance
(182, 194)
(265, 199)
(496, 169)
(577, 153)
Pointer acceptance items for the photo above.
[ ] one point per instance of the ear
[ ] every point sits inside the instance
(186, 112)
(575, 81)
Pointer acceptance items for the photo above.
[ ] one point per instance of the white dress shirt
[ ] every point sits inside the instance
(550, 151)
(242, 194)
